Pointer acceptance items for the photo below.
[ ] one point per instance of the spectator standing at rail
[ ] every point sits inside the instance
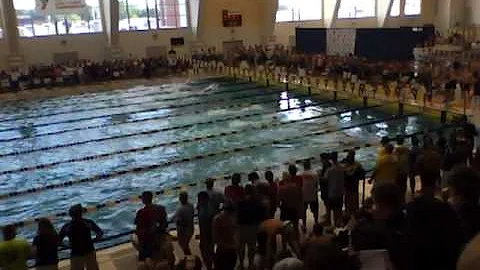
(310, 193)
(206, 214)
(272, 192)
(45, 246)
(250, 213)
(386, 169)
(253, 178)
(297, 179)
(414, 153)
(336, 190)
(291, 203)
(225, 238)
(428, 165)
(79, 232)
(184, 221)
(14, 252)
(323, 182)
(402, 154)
(150, 219)
(235, 192)
(354, 172)
(216, 198)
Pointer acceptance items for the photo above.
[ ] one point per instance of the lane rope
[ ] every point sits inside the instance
(154, 94)
(172, 143)
(140, 111)
(171, 191)
(129, 121)
(141, 169)
(83, 97)
(147, 132)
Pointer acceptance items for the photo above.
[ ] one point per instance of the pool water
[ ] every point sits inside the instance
(45, 142)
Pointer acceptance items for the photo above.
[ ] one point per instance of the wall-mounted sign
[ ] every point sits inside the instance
(231, 18)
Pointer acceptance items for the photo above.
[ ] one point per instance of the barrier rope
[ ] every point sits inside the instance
(152, 95)
(155, 94)
(129, 121)
(184, 187)
(80, 98)
(184, 160)
(147, 132)
(195, 139)
(140, 111)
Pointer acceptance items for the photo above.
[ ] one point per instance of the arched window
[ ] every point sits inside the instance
(43, 18)
(351, 9)
(152, 14)
(299, 10)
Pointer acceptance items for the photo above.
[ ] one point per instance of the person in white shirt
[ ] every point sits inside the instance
(310, 192)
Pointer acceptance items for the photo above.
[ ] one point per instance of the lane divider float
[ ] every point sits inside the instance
(139, 111)
(172, 143)
(129, 121)
(147, 132)
(155, 94)
(141, 169)
(171, 191)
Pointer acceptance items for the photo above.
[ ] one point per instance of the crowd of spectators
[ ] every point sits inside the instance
(263, 224)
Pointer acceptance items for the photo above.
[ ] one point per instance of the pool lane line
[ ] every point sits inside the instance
(81, 97)
(113, 98)
(129, 121)
(144, 102)
(195, 139)
(185, 186)
(143, 110)
(153, 131)
(140, 169)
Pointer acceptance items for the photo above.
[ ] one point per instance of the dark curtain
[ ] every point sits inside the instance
(390, 43)
(311, 40)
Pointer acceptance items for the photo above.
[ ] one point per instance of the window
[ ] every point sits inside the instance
(350, 9)
(299, 10)
(152, 14)
(57, 19)
(413, 7)
(395, 11)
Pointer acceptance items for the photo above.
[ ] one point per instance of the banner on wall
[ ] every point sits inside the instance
(341, 41)
(59, 6)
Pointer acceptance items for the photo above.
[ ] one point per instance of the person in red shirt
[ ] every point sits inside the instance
(235, 192)
(298, 179)
(150, 220)
(272, 192)
(253, 178)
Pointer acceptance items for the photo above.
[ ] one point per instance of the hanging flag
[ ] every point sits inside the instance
(341, 41)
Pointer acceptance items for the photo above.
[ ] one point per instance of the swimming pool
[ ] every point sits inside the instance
(116, 144)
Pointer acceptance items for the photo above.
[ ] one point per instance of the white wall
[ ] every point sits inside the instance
(211, 31)
(134, 43)
(41, 49)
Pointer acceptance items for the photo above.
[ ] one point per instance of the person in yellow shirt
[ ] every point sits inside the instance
(381, 152)
(386, 170)
(14, 252)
